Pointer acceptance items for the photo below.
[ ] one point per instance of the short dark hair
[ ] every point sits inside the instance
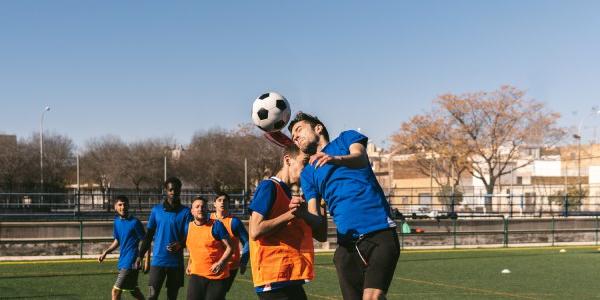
(174, 181)
(199, 198)
(310, 119)
(221, 193)
(121, 198)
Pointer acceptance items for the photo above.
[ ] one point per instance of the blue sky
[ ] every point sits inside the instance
(142, 69)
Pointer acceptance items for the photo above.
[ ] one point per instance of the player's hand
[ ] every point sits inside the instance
(298, 205)
(146, 267)
(242, 269)
(320, 158)
(102, 257)
(217, 267)
(174, 247)
(188, 270)
(137, 264)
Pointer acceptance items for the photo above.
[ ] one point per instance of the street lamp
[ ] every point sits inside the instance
(577, 136)
(47, 108)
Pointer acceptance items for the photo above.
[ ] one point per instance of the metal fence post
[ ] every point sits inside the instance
(505, 232)
(454, 231)
(80, 239)
(596, 230)
(552, 231)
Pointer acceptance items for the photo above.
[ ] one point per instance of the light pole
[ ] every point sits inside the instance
(47, 108)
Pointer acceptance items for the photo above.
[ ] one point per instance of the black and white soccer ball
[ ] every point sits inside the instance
(271, 112)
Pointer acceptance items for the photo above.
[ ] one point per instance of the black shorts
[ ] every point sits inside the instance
(202, 288)
(174, 277)
(291, 292)
(369, 262)
(127, 280)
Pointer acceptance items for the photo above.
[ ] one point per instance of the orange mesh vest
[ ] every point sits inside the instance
(205, 250)
(287, 254)
(234, 261)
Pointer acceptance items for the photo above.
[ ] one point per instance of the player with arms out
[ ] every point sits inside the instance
(210, 249)
(128, 231)
(237, 232)
(166, 230)
(281, 243)
(340, 173)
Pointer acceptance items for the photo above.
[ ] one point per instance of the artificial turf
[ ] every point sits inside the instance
(535, 273)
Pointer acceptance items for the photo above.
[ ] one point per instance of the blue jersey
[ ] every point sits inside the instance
(169, 226)
(128, 232)
(354, 197)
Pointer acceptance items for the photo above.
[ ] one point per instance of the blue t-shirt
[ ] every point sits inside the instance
(170, 227)
(218, 230)
(129, 232)
(262, 202)
(354, 197)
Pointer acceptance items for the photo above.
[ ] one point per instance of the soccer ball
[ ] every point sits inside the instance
(271, 112)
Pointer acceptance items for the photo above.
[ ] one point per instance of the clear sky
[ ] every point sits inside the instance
(142, 69)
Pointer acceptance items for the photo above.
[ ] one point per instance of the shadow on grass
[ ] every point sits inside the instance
(57, 296)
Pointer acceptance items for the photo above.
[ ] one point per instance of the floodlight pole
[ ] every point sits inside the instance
(47, 108)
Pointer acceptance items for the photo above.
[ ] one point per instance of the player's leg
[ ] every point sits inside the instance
(196, 287)
(155, 282)
(382, 250)
(229, 280)
(349, 269)
(137, 294)
(175, 279)
(216, 289)
(116, 294)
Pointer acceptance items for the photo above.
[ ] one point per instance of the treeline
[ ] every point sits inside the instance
(212, 160)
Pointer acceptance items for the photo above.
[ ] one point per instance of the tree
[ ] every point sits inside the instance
(439, 149)
(486, 130)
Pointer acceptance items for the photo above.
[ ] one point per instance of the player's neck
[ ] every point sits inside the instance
(322, 144)
(284, 175)
(220, 214)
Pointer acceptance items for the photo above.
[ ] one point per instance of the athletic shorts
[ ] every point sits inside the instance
(290, 292)
(127, 280)
(174, 277)
(202, 288)
(368, 262)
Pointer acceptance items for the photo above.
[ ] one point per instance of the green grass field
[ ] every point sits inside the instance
(541, 273)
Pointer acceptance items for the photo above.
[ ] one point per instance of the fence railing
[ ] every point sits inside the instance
(96, 204)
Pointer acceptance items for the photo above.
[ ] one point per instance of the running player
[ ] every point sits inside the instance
(128, 231)
(210, 249)
(340, 173)
(237, 232)
(166, 226)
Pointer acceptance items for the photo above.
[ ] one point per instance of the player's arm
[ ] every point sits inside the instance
(220, 233)
(188, 269)
(108, 250)
(260, 227)
(356, 159)
(242, 234)
(220, 264)
(313, 214)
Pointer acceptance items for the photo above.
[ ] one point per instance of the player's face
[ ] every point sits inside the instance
(199, 210)
(305, 137)
(173, 191)
(220, 203)
(296, 166)
(122, 208)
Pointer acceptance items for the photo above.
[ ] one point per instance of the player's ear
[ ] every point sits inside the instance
(318, 128)
(286, 160)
